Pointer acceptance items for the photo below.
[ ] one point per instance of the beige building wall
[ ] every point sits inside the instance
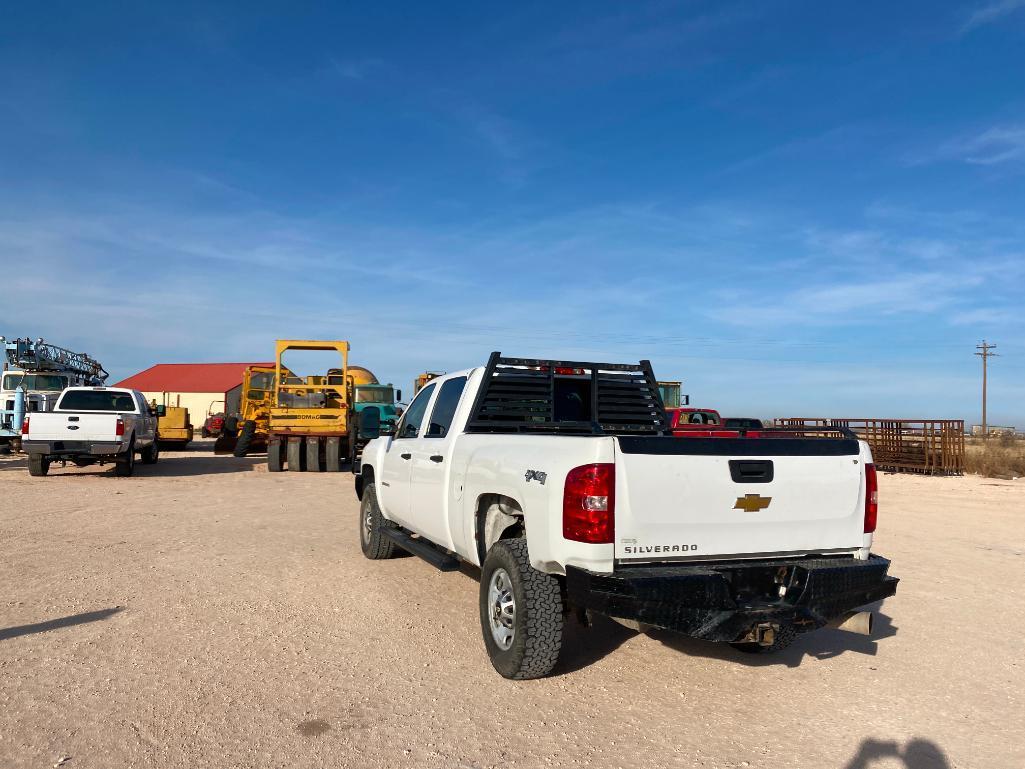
(198, 404)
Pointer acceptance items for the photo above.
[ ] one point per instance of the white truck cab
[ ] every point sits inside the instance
(562, 481)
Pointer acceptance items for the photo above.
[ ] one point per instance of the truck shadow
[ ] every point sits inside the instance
(583, 646)
(819, 644)
(182, 465)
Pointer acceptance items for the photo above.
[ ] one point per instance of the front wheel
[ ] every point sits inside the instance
(151, 454)
(520, 612)
(38, 464)
(245, 438)
(375, 544)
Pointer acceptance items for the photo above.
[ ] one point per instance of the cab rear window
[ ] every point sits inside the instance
(96, 400)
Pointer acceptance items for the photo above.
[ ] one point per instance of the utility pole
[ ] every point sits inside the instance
(985, 355)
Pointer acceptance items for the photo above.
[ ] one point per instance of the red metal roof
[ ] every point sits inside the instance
(189, 377)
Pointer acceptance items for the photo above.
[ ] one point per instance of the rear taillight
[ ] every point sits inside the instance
(120, 429)
(589, 504)
(871, 498)
(24, 427)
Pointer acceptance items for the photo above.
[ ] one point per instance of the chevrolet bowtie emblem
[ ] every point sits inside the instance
(752, 503)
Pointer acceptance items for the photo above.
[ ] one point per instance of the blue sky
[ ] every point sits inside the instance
(797, 208)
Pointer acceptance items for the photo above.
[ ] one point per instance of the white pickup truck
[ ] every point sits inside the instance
(562, 481)
(93, 425)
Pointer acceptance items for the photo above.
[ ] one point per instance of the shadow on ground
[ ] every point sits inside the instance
(917, 754)
(54, 624)
(181, 464)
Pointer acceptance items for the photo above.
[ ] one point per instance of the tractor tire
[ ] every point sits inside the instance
(313, 454)
(230, 426)
(204, 432)
(520, 612)
(124, 465)
(333, 455)
(295, 456)
(245, 438)
(38, 465)
(275, 452)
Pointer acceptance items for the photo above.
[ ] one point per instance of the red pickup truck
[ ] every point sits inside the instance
(706, 423)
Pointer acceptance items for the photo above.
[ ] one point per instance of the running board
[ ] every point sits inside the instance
(422, 548)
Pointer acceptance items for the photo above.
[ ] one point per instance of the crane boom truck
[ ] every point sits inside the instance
(33, 376)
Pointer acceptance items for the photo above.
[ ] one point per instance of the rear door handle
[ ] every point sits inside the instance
(437, 458)
(406, 456)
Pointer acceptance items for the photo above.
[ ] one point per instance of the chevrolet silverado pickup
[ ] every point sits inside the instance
(563, 483)
(93, 425)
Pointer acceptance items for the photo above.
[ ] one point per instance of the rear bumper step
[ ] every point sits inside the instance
(57, 448)
(722, 601)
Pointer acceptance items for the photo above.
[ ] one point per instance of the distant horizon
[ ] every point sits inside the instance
(795, 209)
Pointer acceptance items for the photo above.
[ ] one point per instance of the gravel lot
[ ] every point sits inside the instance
(206, 613)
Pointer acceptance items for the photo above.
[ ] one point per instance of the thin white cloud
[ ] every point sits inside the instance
(995, 146)
(987, 14)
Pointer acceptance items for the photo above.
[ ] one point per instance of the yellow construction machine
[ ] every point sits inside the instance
(424, 378)
(248, 430)
(174, 427)
(309, 419)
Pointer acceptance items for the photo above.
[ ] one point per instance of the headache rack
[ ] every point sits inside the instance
(567, 397)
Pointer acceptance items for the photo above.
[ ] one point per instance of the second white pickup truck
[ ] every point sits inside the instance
(562, 481)
(93, 425)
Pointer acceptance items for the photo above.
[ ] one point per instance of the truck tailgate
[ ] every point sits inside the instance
(73, 426)
(700, 498)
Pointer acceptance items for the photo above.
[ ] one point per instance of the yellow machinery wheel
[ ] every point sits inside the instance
(333, 455)
(313, 454)
(294, 455)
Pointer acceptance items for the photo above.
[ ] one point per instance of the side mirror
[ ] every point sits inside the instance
(398, 395)
(370, 423)
(161, 411)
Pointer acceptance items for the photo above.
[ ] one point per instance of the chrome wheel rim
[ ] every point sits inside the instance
(501, 609)
(368, 524)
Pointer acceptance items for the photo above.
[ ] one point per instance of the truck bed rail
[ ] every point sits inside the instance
(537, 395)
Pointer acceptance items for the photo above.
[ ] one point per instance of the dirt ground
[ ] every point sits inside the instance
(206, 613)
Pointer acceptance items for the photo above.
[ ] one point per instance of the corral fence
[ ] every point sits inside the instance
(932, 446)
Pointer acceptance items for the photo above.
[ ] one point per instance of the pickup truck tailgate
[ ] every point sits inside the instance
(80, 426)
(707, 498)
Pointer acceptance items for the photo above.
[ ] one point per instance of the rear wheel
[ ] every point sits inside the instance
(124, 465)
(151, 454)
(375, 545)
(230, 426)
(245, 438)
(38, 464)
(520, 612)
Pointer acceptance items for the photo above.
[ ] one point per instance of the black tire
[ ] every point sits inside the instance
(783, 638)
(295, 456)
(151, 454)
(275, 451)
(536, 621)
(333, 455)
(312, 454)
(124, 465)
(375, 545)
(245, 438)
(230, 427)
(204, 432)
(38, 465)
